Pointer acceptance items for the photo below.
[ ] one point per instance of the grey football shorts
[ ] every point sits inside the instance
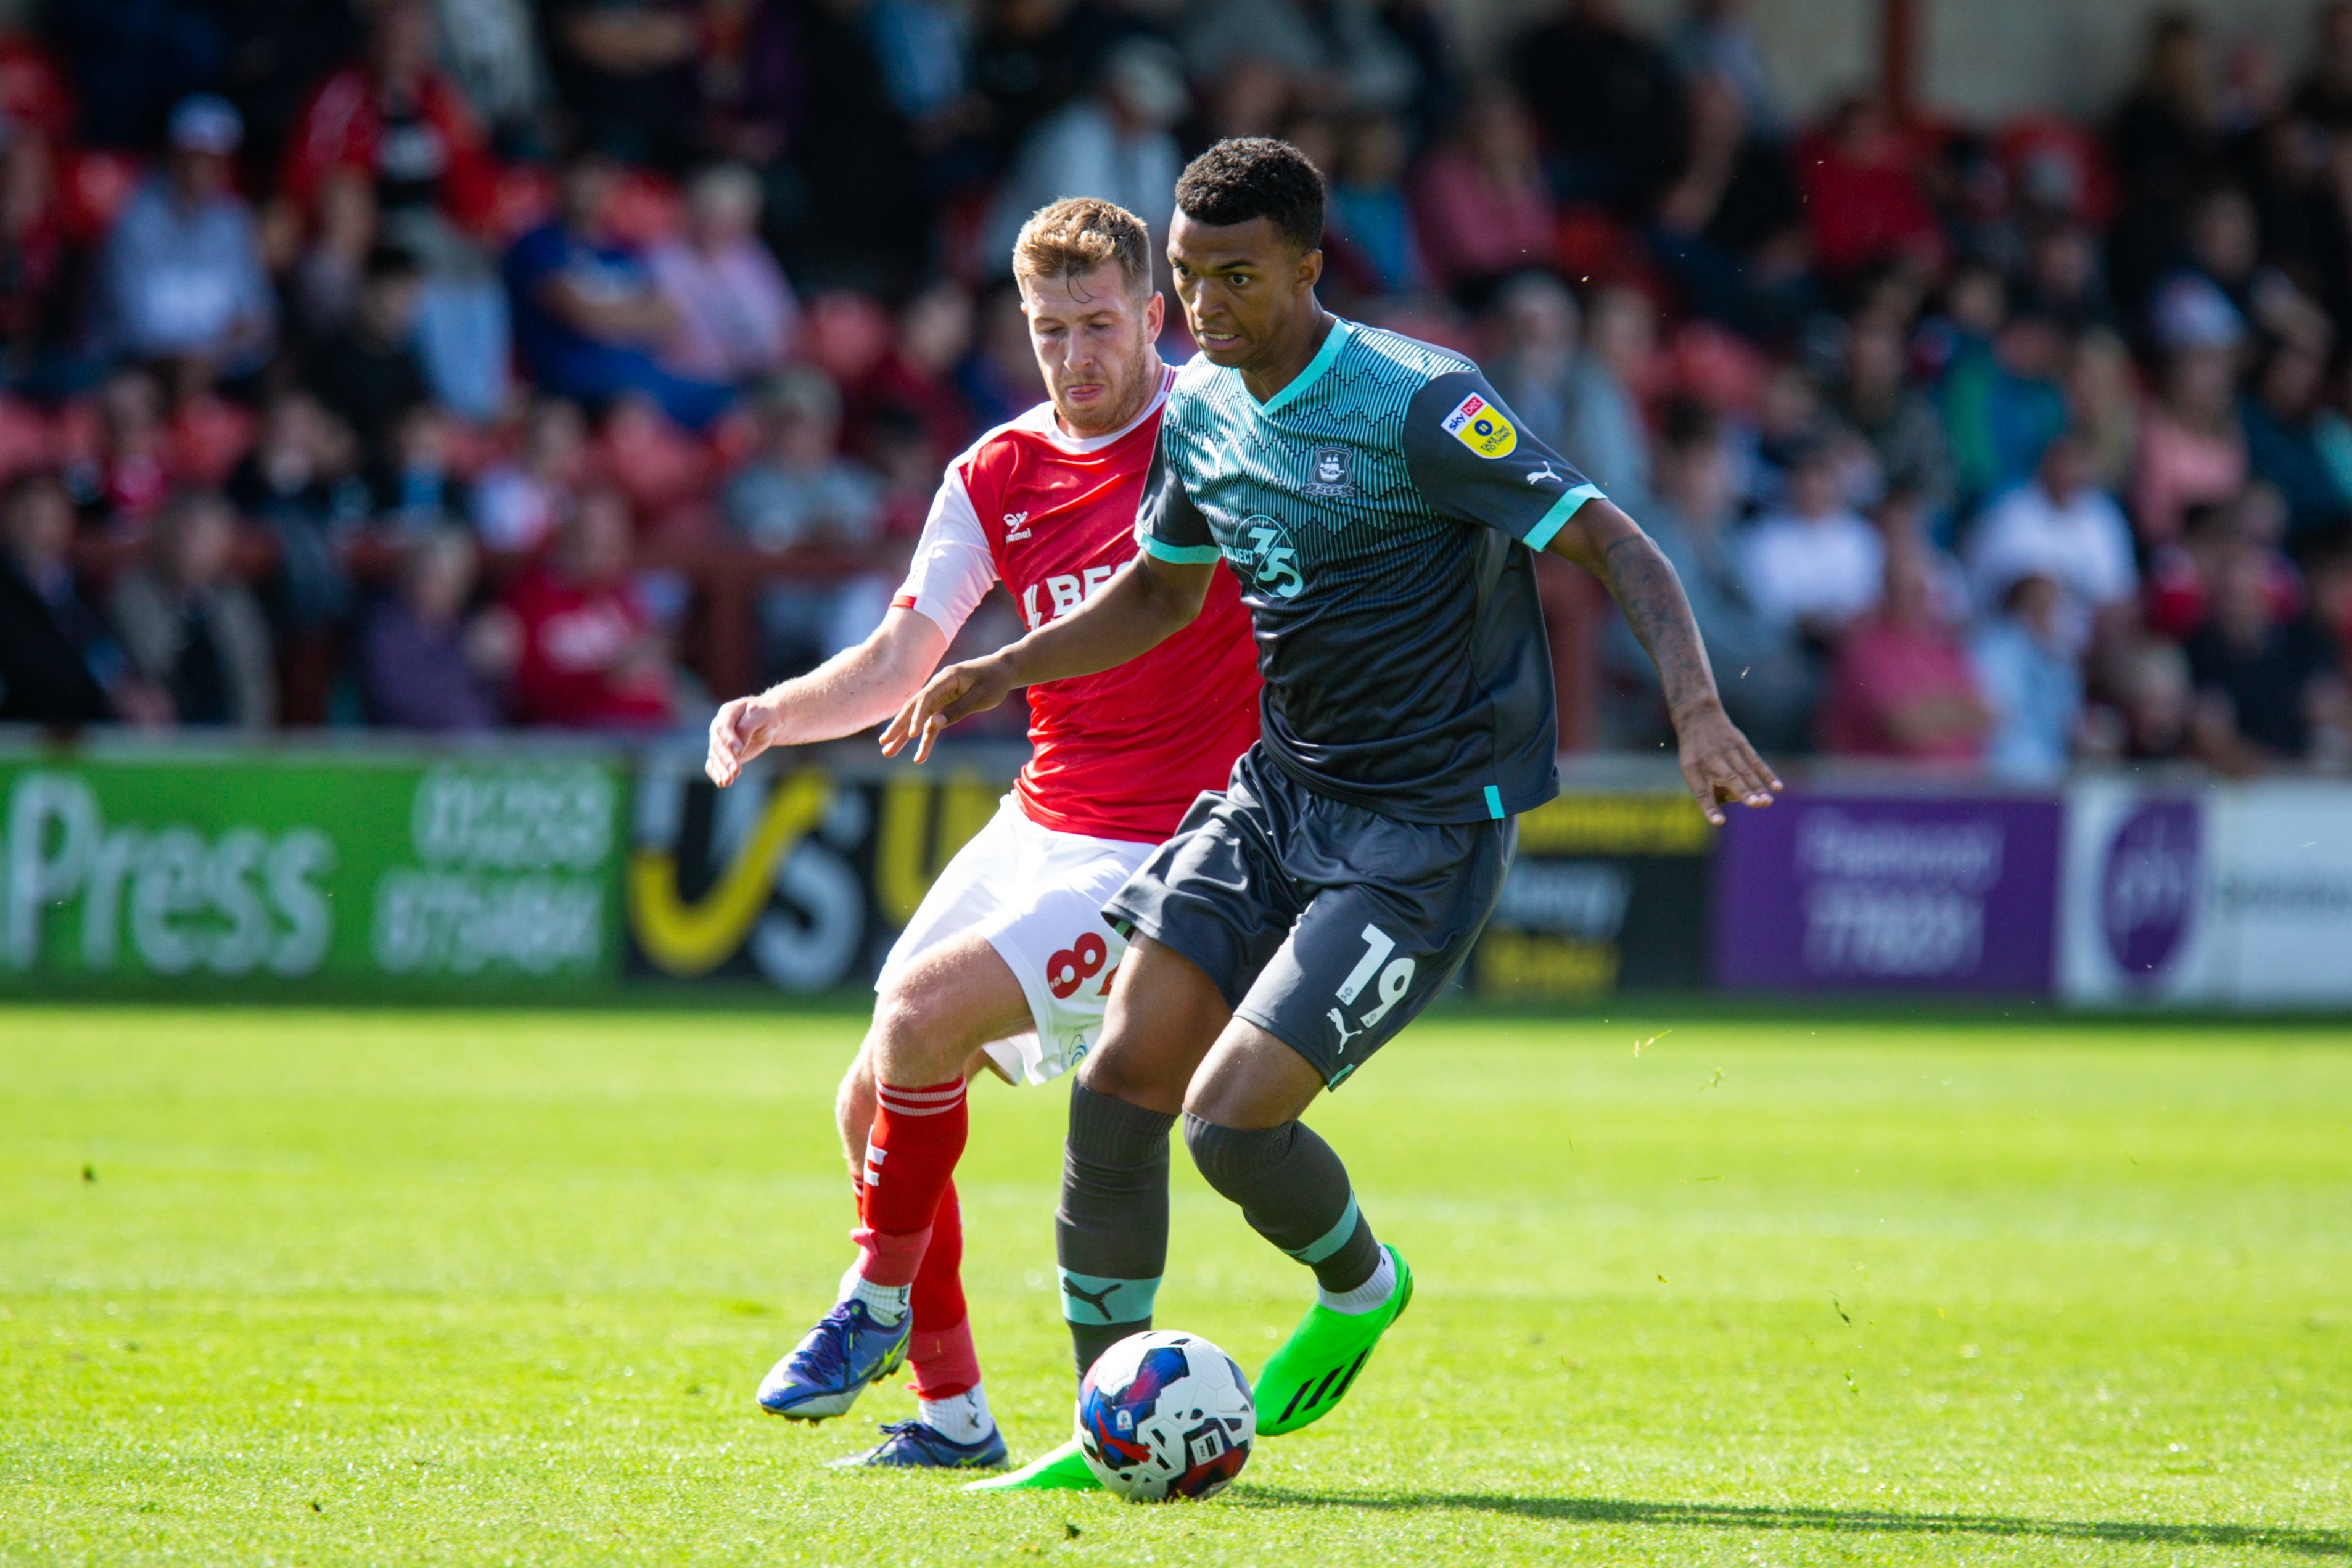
(1326, 924)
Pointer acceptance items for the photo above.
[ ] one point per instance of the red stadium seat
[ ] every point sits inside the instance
(33, 92)
(471, 447)
(525, 199)
(1715, 366)
(644, 207)
(1591, 248)
(95, 184)
(210, 437)
(28, 439)
(2046, 155)
(846, 334)
(76, 430)
(732, 437)
(652, 462)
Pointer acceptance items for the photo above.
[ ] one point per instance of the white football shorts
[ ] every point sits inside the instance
(1036, 896)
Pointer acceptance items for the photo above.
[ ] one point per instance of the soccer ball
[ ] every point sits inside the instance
(1163, 1416)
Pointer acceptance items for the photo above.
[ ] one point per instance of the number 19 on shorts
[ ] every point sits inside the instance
(1395, 981)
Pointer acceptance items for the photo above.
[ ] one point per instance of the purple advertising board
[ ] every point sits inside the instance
(1888, 892)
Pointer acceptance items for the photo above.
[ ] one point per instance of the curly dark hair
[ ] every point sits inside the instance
(1245, 177)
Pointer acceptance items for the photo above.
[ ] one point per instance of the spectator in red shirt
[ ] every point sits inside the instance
(394, 117)
(590, 655)
(1901, 686)
(1483, 206)
(1860, 195)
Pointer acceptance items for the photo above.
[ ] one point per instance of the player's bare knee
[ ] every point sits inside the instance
(1136, 1076)
(920, 1037)
(1227, 1102)
(1251, 1080)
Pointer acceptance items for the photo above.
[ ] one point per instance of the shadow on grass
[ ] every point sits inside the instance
(1731, 1516)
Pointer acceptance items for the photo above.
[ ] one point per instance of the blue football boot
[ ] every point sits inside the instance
(910, 1445)
(828, 1370)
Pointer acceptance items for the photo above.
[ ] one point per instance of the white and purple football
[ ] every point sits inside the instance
(1165, 1414)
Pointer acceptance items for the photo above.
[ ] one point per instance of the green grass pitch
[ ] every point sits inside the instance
(444, 1288)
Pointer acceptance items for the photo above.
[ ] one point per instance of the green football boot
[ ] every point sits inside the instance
(1318, 1364)
(1056, 1469)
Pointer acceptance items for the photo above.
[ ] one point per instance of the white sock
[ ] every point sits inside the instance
(886, 1302)
(1365, 1297)
(961, 1417)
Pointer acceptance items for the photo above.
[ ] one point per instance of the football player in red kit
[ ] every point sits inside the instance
(1008, 957)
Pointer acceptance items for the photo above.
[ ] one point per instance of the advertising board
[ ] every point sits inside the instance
(1608, 895)
(799, 877)
(268, 873)
(385, 872)
(1899, 893)
(2232, 895)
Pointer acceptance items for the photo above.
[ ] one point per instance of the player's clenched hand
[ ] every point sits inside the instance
(956, 692)
(738, 732)
(1719, 765)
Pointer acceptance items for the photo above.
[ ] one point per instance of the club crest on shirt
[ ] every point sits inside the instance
(1480, 426)
(1331, 473)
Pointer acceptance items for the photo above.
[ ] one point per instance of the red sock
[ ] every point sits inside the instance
(942, 1351)
(910, 1157)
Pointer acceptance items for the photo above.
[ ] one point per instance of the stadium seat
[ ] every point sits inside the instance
(1591, 248)
(97, 181)
(1715, 366)
(2048, 157)
(655, 464)
(525, 198)
(28, 439)
(644, 207)
(32, 94)
(846, 334)
(210, 436)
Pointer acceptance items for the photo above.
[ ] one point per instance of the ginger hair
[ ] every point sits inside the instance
(1077, 234)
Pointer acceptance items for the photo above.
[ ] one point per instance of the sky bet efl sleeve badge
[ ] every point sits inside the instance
(1480, 426)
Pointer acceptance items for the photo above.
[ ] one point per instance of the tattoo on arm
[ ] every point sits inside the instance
(1651, 595)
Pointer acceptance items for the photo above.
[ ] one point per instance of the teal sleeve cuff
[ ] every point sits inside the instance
(1182, 555)
(1553, 520)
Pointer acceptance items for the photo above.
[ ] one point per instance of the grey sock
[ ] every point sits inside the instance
(1110, 1233)
(1294, 1192)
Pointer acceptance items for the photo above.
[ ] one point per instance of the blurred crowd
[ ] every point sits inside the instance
(452, 364)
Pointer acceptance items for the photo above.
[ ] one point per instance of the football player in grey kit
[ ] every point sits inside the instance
(1381, 509)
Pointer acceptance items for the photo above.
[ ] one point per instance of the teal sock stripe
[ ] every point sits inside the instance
(1096, 1299)
(1331, 1240)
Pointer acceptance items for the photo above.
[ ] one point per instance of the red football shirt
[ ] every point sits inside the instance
(1121, 754)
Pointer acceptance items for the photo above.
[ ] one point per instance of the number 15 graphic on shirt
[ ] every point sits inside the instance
(1395, 981)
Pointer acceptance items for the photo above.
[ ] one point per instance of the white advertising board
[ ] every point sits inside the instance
(2228, 895)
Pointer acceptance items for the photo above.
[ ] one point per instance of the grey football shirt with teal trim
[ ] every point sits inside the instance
(1380, 512)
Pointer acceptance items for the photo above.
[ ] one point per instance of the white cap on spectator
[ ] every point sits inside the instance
(2191, 312)
(206, 122)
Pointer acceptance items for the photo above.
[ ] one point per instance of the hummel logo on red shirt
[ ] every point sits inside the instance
(1012, 528)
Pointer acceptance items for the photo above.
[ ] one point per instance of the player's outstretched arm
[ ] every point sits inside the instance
(1717, 763)
(853, 690)
(1149, 601)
